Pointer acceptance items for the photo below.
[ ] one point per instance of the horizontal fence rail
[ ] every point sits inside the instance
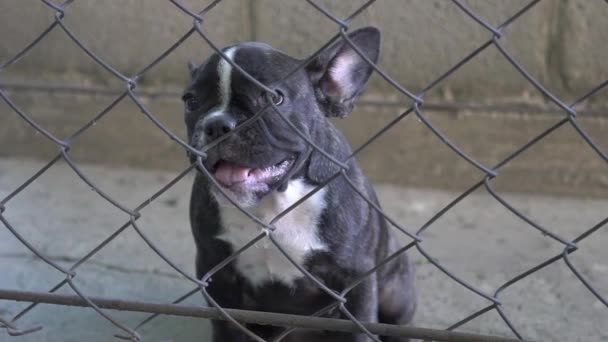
(265, 318)
(417, 107)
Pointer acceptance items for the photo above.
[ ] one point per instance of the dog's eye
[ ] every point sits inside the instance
(279, 98)
(190, 102)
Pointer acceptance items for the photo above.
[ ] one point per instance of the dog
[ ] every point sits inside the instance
(266, 167)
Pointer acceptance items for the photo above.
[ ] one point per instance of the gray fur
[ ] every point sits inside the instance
(352, 236)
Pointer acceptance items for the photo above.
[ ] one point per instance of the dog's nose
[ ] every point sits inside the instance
(218, 125)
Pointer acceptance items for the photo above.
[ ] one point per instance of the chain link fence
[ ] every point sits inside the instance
(239, 318)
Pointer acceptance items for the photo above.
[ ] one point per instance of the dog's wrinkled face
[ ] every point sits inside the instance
(248, 163)
(251, 162)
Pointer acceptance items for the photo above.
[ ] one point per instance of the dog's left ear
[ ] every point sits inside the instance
(339, 74)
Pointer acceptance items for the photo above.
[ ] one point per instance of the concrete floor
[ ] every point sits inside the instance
(479, 240)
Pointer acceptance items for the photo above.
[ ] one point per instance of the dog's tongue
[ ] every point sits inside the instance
(228, 173)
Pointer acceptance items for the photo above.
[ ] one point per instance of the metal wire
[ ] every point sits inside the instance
(340, 296)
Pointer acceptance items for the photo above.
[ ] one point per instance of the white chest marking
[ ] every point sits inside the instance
(296, 232)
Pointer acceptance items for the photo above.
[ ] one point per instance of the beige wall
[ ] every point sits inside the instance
(563, 43)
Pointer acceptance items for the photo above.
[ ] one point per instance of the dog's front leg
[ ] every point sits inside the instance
(226, 332)
(362, 303)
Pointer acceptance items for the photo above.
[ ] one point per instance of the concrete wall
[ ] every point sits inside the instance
(562, 43)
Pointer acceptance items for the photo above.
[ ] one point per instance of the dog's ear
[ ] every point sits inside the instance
(192, 67)
(339, 74)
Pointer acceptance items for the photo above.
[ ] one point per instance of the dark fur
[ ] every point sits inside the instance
(357, 236)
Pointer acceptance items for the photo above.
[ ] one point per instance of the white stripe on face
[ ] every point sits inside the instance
(224, 70)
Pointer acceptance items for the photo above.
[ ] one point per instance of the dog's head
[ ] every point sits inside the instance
(256, 159)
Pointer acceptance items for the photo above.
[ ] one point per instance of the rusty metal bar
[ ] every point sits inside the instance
(246, 316)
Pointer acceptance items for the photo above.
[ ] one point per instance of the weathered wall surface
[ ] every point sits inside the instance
(562, 43)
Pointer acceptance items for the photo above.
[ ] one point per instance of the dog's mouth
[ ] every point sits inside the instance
(237, 177)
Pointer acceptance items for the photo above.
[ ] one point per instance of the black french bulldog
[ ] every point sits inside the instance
(266, 167)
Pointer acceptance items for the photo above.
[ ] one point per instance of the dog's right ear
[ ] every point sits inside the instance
(192, 67)
(339, 74)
